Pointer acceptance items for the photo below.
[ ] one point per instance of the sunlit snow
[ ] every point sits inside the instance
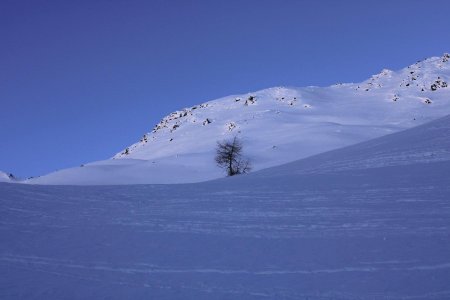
(277, 125)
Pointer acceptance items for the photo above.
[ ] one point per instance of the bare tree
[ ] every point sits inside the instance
(229, 157)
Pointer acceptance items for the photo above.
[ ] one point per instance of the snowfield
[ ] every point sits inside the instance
(277, 126)
(370, 221)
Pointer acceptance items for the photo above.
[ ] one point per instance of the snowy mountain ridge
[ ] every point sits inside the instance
(418, 79)
(277, 125)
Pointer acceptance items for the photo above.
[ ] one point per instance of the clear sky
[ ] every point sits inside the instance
(81, 80)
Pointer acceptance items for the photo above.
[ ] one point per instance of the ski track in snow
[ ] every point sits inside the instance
(233, 242)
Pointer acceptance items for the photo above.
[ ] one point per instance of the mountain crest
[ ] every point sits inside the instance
(414, 83)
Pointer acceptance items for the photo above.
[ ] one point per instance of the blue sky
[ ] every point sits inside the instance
(81, 80)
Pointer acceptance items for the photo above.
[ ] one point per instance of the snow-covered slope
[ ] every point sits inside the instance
(6, 177)
(427, 143)
(277, 125)
(370, 221)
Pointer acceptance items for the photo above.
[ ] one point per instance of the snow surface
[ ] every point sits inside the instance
(370, 221)
(6, 177)
(277, 125)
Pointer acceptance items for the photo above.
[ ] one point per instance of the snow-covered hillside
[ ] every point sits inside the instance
(370, 221)
(428, 143)
(277, 125)
(6, 177)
